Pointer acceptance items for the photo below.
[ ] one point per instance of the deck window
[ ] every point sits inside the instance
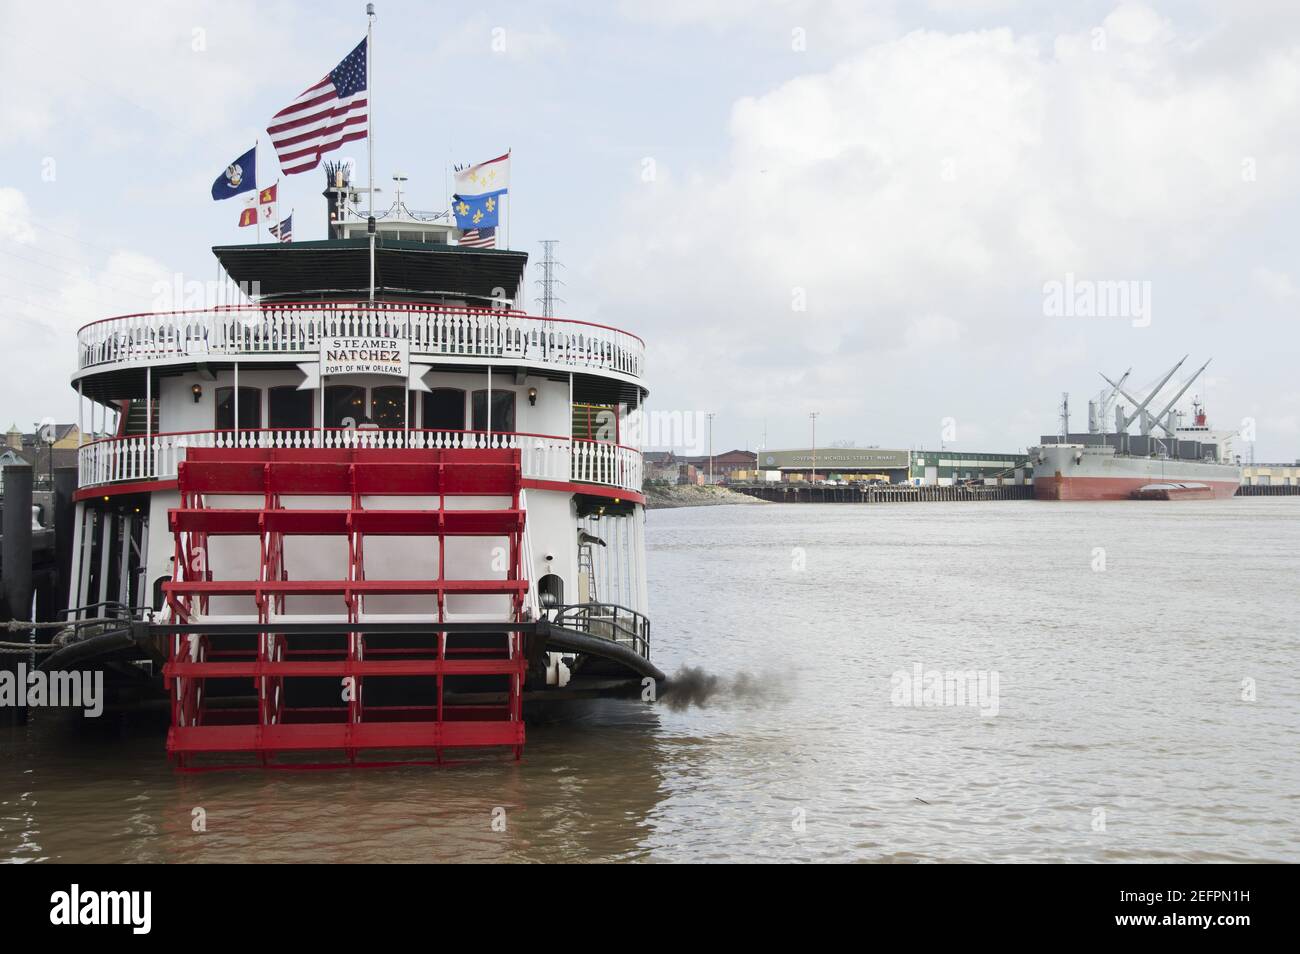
(345, 406)
(288, 407)
(250, 408)
(503, 411)
(596, 422)
(386, 407)
(444, 409)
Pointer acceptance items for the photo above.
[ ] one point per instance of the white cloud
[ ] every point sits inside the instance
(174, 74)
(50, 285)
(923, 189)
(482, 36)
(1277, 285)
(823, 24)
(15, 217)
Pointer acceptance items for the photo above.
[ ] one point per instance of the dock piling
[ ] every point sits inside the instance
(16, 562)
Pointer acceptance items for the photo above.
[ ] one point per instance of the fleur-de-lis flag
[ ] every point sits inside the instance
(477, 211)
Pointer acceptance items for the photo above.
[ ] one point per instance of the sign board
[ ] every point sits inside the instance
(365, 356)
(837, 458)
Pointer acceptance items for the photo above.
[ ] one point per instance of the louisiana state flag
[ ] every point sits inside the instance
(240, 176)
(477, 211)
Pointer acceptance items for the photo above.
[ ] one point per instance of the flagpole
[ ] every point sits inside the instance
(370, 137)
(258, 207)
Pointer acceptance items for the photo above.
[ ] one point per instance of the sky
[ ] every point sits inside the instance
(871, 211)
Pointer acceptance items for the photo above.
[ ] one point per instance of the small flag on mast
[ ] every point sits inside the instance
(477, 202)
(484, 177)
(266, 203)
(479, 238)
(240, 176)
(324, 117)
(283, 231)
(248, 216)
(476, 211)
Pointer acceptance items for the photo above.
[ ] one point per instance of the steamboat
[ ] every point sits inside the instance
(1168, 459)
(375, 510)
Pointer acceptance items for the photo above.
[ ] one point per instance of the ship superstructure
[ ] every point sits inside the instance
(377, 507)
(1114, 464)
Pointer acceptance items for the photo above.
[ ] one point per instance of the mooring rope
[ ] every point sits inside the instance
(19, 625)
(23, 649)
(60, 640)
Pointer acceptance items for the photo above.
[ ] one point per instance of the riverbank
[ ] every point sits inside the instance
(666, 497)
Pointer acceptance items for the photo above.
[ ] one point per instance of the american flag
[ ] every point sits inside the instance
(283, 231)
(324, 117)
(479, 238)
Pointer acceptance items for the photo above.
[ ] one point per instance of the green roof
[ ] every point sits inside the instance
(340, 268)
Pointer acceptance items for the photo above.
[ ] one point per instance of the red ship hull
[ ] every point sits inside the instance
(1109, 488)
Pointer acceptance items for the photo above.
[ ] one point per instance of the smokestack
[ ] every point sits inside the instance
(336, 180)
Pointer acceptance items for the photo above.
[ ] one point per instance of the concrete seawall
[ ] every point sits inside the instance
(893, 493)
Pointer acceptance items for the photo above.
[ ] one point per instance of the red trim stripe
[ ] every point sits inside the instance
(154, 486)
(118, 490)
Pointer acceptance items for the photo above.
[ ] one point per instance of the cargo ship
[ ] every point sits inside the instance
(371, 513)
(1114, 464)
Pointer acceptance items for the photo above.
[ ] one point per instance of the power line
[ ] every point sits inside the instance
(71, 238)
(32, 304)
(78, 276)
(96, 299)
(548, 281)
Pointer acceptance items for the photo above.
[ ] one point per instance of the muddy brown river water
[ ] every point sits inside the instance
(1147, 709)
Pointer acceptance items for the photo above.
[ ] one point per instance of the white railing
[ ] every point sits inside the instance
(531, 605)
(297, 329)
(542, 457)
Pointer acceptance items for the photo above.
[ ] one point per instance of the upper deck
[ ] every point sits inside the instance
(455, 306)
(292, 331)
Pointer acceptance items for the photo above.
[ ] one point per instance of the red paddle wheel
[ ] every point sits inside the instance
(341, 678)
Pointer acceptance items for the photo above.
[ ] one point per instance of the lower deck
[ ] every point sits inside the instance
(315, 599)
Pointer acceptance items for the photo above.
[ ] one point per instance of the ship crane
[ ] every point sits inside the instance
(1140, 412)
(1097, 422)
(1163, 417)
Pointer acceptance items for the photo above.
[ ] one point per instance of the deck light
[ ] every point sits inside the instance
(197, 391)
(532, 397)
